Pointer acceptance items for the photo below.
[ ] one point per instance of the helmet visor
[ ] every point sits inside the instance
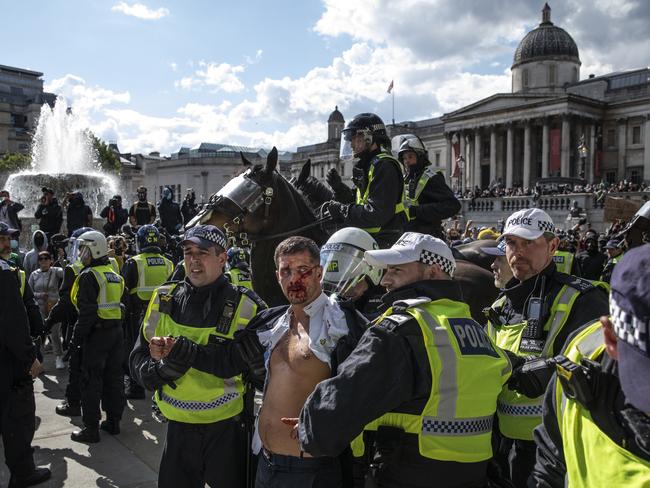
(243, 192)
(345, 152)
(73, 251)
(343, 267)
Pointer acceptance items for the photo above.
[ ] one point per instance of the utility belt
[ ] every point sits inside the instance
(106, 324)
(288, 463)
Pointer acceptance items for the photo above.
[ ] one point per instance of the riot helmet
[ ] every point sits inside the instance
(147, 236)
(404, 143)
(343, 265)
(238, 257)
(73, 246)
(360, 134)
(92, 245)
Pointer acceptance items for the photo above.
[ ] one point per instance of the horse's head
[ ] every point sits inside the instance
(257, 202)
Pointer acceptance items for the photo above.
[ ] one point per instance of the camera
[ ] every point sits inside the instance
(43, 199)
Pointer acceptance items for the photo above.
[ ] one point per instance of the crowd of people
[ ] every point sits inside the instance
(375, 372)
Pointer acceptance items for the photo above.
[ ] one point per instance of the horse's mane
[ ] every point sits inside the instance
(299, 199)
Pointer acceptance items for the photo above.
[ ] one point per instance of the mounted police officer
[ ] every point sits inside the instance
(188, 354)
(378, 207)
(596, 429)
(422, 382)
(65, 312)
(96, 294)
(239, 268)
(142, 274)
(427, 198)
(536, 312)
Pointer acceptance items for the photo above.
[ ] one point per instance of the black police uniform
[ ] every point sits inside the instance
(215, 452)
(375, 386)
(65, 313)
(17, 406)
(101, 361)
(436, 202)
(384, 194)
(589, 305)
(370, 304)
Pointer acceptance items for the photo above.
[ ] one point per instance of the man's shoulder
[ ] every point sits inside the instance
(580, 284)
(266, 319)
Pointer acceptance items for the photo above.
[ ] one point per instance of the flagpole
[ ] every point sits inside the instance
(392, 92)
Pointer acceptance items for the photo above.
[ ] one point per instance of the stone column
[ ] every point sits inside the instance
(527, 155)
(509, 156)
(646, 150)
(463, 170)
(450, 158)
(566, 147)
(622, 148)
(493, 154)
(477, 159)
(545, 148)
(591, 155)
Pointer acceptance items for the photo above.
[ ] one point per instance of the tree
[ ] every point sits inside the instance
(107, 159)
(15, 162)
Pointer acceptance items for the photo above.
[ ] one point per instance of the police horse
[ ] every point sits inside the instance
(260, 208)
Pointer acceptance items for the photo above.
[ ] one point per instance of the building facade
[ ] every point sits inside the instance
(21, 98)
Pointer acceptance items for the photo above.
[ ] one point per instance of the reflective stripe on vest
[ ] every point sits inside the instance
(114, 264)
(111, 287)
(362, 199)
(583, 443)
(563, 261)
(468, 372)
(153, 271)
(199, 397)
(422, 183)
(518, 414)
(77, 267)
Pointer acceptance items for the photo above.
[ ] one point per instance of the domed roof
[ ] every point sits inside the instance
(336, 116)
(547, 41)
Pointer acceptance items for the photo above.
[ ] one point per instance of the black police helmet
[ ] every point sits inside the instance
(369, 123)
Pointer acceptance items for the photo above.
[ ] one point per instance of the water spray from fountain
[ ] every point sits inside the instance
(64, 159)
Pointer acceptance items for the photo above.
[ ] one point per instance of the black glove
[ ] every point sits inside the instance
(338, 211)
(251, 352)
(178, 361)
(333, 178)
(531, 377)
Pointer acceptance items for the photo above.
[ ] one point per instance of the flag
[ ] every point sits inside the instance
(390, 87)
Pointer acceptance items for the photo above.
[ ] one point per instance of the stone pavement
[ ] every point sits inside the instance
(128, 460)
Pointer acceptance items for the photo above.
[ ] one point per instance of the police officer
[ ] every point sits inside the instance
(64, 312)
(596, 429)
(564, 257)
(142, 274)
(186, 353)
(614, 250)
(239, 269)
(534, 315)
(19, 367)
(378, 206)
(96, 295)
(347, 275)
(424, 379)
(427, 198)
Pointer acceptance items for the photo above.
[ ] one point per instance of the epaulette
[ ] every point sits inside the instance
(394, 321)
(5, 266)
(252, 295)
(403, 305)
(580, 284)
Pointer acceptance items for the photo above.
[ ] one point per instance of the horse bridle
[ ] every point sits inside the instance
(264, 196)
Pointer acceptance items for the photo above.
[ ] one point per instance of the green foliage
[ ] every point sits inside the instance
(107, 159)
(15, 162)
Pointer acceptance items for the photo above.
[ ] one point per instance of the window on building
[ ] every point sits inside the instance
(636, 134)
(178, 193)
(634, 175)
(524, 78)
(611, 137)
(486, 148)
(437, 161)
(576, 76)
(552, 75)
(610, 177)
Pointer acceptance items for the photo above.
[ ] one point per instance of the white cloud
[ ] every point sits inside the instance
(173, 66)
(255, 59)
(219, 77)
(140, 11)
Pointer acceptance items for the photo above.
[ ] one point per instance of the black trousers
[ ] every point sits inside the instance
(196, 454)
(17, 425)
(101, 375)
(73, 388)
(131, 327)
(517, 458)
(276, 471)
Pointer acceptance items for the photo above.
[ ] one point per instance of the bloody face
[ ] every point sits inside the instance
(299, 276)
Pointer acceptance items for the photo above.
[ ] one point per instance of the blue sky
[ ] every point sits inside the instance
(158, 74)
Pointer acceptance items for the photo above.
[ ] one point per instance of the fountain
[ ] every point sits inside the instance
(63, 158)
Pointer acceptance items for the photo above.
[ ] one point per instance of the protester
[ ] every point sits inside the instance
(189, 208)
(169, 211)
(39, 244)
(142, 212)
(49, 213)
(9, 211)
(116, 216)
(78, 214)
